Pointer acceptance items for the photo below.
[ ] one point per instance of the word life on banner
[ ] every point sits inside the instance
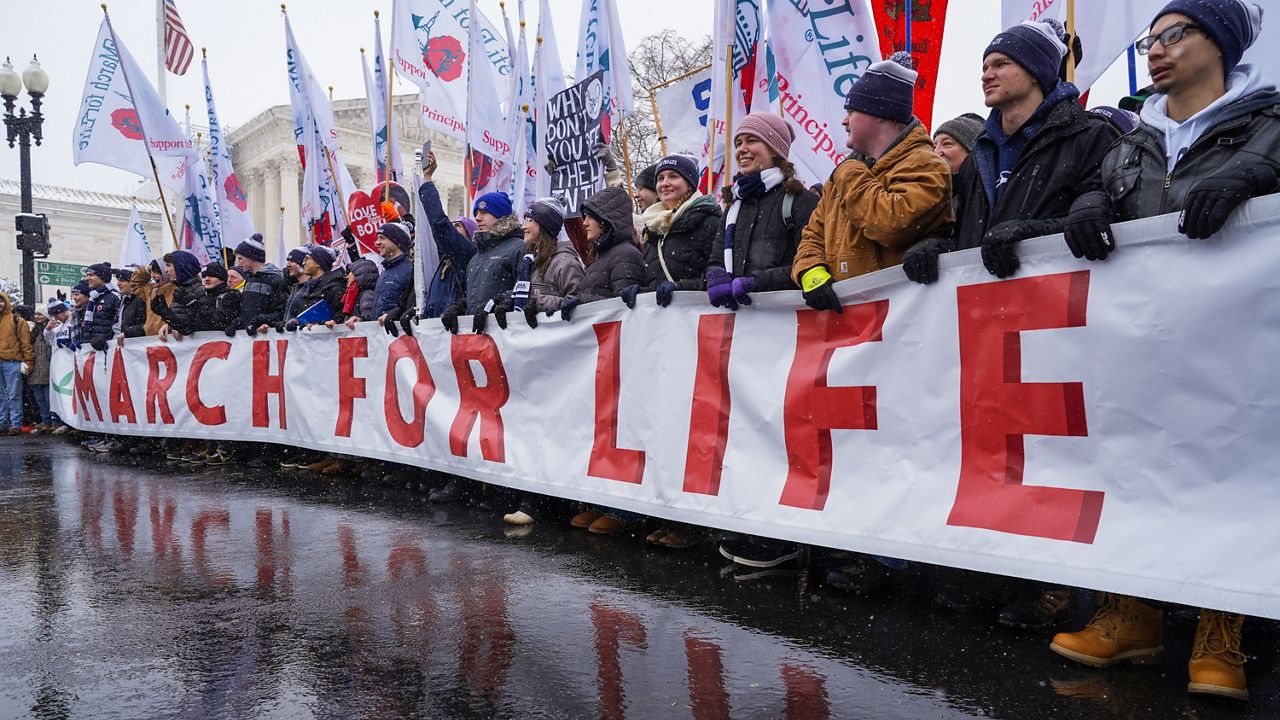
(573, 129)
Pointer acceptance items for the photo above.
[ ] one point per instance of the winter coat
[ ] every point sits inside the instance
(366, 275)
(561, 279)
(133, 315)
(1060, 162)
(262, 297)
(491, 272)
(391, 293)
(42, 352)
(869, 215)
(1135, 171)
(764, 245)
(154, 321)
(618, 264)
(685, 248)
(190, 311)
(102, 315)
(15, 334)
(224, 307)
(297, 290)
(449, 282)
(330, 288)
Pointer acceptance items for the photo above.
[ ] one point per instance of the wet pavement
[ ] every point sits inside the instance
(132, 589)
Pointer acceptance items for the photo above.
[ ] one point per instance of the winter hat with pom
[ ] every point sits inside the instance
(886, 90)
(1037, 46)
(549, 213)
(252, 248)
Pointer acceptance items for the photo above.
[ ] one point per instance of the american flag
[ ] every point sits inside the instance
(178, 50)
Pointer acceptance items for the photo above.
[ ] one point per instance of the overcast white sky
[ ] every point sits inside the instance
(245, 39)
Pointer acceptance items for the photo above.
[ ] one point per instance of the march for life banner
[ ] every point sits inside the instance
(1105, 425)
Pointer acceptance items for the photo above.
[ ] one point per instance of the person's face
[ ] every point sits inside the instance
(126, 286)
(234, 278)
(1191, 61)
(1004, 82)
(62, 316)
(168, 267)
(79, 299)
(861, 128)
(462, 229)
(41, 318)
(210, 282)
(593, 228)
(485, 221)
(293, 268)
(156, 277)
(387, 247)
(950, 150)
(310, 267)
(646, 197)
(672, 188)
(95, 282)
(531, 230)
(752, 154)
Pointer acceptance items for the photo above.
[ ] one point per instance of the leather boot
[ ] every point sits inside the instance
(1122, 629)
(1217, 665)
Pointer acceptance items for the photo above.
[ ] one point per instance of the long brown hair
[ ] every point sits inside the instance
(543, 247)
(790, 183)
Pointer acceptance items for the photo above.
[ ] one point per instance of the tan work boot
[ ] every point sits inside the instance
(1122, 629)
(1217, 665)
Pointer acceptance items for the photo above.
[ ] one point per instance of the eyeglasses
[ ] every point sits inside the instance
(1170, 36)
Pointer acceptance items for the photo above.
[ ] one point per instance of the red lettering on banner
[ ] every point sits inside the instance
(806, 693)
(609, 461)
(206, 414)
(613, 626)
(708, 698)
(350, 387)
(267, 383)
(84, 389)
(205, 519)
(119, 399)
(997, 409)
(477, 402)
(407, 433)
(709, 418)
(158, 385)
(812, 409)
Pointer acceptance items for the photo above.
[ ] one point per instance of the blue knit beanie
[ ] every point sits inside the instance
(1232, 25)
(398, 234)
(1037, 46)
(886, 90)
(102, 270)
(322, 256)
(496, 204)
(297, 255)
(253, 248)
(683, 165)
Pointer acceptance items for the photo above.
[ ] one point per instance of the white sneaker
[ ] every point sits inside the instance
(518, 517)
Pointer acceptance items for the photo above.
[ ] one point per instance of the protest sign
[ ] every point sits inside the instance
(573, 130)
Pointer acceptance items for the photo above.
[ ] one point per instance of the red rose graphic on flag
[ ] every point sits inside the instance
(444, 56)
(126, 121)
(235, 193)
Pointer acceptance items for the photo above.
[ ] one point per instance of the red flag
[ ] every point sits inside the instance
(927, 20)
(178, 50)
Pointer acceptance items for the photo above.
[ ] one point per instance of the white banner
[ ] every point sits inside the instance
(684, 108)
(1105, 425)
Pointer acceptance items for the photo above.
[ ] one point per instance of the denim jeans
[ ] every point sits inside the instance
(10, 394)
(41, 394)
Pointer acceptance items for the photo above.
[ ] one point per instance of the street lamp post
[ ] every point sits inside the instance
(23, 128)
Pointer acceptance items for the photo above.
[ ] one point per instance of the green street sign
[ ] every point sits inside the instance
(58, 274)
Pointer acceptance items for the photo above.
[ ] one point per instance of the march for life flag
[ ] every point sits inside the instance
(135, 250)
(820, 52)
(201, 226)
(121, 116)
(430, 46)
(523, 128)
(737, 41)
(601, 48)
(487, 126)
(684, 108)
(232, 201)
(547, 81)
(381, 97)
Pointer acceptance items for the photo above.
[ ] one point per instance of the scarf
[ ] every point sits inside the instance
(520, 295)
(349, 297)
(659, 219)
(771, 178)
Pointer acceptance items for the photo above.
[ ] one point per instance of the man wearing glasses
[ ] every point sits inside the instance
(1209, 140)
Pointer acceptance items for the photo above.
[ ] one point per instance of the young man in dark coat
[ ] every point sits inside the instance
(454, 245)
(133, 305)
(391, 294)
(103, 313)
(224, 301)
(1039, 151)
(1209, 139)
(491, 272)
(263, 296)
(325, 284)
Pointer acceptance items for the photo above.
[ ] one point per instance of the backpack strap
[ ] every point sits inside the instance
(788, 212)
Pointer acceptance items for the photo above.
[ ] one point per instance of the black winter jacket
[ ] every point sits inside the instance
(491, 272)
(618, 265)
(190, 309)
(102, 314)
(685, 248)
(1061, 161)
(330, 288)
(262, 298)
(764, 246)
(133, 316)
(224, 307)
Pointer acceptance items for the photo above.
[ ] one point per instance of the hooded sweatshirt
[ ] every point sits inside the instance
(1180, 136)
(15, 335)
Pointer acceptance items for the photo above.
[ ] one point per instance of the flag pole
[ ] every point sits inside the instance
(1133, 70)
(1071, 34)
(657, 123)
(386, 190)
(337, 186)
(155, 172)
(728, 112)
(160, 54)
(626, 162)
(907, 21)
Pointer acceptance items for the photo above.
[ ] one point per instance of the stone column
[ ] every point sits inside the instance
(290, 191)
(252, 180)
(270, 227)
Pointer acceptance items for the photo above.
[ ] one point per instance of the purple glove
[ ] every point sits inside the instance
(743, 287)
(720, 288)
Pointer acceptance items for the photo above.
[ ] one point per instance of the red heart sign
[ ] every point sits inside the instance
(362, 211)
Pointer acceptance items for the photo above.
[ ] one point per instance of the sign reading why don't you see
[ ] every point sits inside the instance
(573, 129)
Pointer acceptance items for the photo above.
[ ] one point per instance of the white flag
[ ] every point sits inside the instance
(232, 201)
(522, 129)
(600, 47)
(201, 235)
(382, 83)
(735, 40)
(135, 250)
(547, 81)
(121, 116)
(430, 47)
(486, 109)
(814, 78)
(684, 109)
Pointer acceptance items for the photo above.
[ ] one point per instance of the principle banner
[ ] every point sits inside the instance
(1107, 425)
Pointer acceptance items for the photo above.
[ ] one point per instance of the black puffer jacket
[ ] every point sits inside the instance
(102, 314)
(190, 310)
(685, 248)
(262, 298)
(1062, 160)
(491, 272)
(618, 264)
(330, 288)
(366, 274)
(764, 244)
(224, 307)
(133, 316)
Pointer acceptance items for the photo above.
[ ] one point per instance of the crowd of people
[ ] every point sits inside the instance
(1202, 139)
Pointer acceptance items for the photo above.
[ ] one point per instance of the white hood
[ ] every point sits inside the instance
(1179, 137)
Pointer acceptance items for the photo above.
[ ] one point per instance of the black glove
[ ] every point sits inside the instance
(159, 306)
(450, 317)
(823, 297)
(252, 330)
(64, 342)
(408, 320)
(920, 263)
(566, 309)
(99, 344)
(1212, 200)
(1088, 228)
(531, 314)
(390, 326)
(999, 253)
(479, 320)
(230, 331)
(628, 295)
(353, 248)
(500, 312)
(666, 291)
(279, 328)
(292, 325)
